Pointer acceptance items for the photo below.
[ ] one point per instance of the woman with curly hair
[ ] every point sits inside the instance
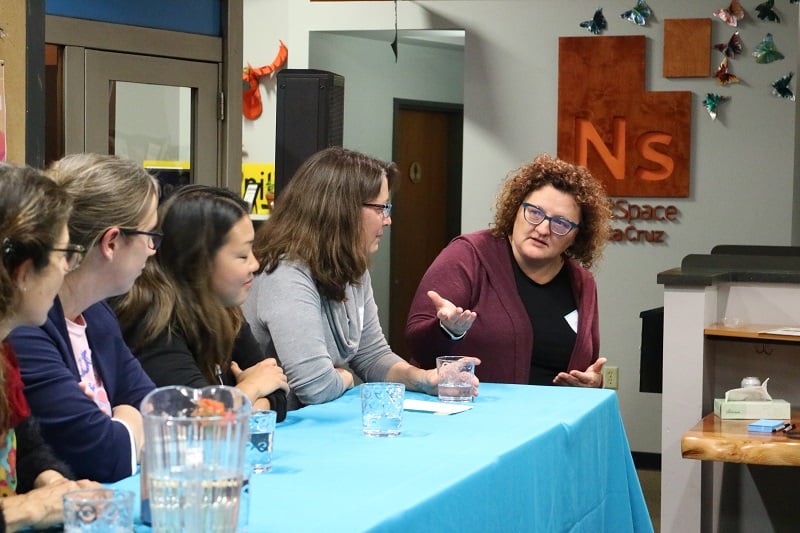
(494, 292)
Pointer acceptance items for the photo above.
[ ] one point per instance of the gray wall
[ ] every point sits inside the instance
(372, 81)
(743, 164)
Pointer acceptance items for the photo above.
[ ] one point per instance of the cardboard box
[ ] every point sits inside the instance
(752, 410)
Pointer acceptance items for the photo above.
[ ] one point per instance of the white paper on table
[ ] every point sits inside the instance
(435, 407)
(794, 332)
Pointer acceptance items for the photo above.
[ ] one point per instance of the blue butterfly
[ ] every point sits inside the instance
(597, 24)
(638, 15)
(780, 87)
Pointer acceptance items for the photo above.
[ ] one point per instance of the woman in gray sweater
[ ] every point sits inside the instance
(312, 304)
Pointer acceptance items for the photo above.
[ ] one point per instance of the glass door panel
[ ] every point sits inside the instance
(157, 111)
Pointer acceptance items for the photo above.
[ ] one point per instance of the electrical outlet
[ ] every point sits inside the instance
(610, 377)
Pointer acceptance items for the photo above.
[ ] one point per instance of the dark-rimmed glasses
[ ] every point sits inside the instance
(386, 209)
(535, 215)
(73, 253)
(155, 237)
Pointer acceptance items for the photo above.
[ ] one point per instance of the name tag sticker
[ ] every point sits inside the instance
(572, 320)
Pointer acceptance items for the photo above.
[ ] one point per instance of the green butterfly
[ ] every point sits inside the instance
(780, 87)
(765, 11)
(765, 51)
(638, 15)
(712, 101)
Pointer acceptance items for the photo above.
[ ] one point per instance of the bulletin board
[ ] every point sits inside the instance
(12, 53)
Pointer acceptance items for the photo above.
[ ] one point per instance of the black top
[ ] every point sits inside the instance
(34, 456)
(169, 361)
(553, 338)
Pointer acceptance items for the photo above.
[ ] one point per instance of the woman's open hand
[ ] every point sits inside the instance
(455, 320)
(593, 377)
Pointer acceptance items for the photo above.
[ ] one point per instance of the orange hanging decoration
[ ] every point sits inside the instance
(251, 96)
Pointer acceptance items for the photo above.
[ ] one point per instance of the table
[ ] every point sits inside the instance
(525, 458)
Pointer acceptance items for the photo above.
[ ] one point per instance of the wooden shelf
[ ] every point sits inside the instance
(749, 331)
(714, 439)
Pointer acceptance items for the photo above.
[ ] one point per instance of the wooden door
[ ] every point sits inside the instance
(427, 201)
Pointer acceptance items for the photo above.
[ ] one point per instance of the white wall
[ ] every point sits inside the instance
(742, 168)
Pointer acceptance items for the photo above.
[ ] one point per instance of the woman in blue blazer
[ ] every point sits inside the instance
(81, 380)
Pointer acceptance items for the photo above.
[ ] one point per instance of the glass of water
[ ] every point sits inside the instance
(382, 408)
(259, 446)
(98, 510)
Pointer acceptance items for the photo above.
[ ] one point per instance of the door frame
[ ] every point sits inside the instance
(225, 51)
(101, 67)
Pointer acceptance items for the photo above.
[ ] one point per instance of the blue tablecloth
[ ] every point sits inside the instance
(525, 458)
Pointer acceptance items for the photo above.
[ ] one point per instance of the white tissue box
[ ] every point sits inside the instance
(746, 410)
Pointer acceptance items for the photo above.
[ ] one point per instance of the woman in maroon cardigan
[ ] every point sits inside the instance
(492, 293)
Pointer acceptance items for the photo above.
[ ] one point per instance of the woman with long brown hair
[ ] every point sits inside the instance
(312, 303)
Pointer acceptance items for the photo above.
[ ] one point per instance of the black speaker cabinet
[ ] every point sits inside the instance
(310, 116)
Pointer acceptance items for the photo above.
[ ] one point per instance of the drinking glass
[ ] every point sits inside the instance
(455, 377)
(259, 445)
(382, 408)
(98, 510)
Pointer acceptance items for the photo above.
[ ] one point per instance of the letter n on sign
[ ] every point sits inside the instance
(636, 142)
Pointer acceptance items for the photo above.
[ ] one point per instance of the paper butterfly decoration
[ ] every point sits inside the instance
(712, 101)
(733, 47)
(780, 87)
(638, 15)
(765, 11)
(765, 51)
(597, 24)
(732, 15)
(723, 76)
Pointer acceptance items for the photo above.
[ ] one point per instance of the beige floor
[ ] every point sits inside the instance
(651, 487)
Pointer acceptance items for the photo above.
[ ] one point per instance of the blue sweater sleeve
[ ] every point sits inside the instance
(88, 440)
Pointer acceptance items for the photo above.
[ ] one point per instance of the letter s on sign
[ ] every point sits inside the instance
(644, 145)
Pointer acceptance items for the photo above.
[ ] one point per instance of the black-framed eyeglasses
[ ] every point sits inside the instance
(535, 215)
(73, 253)
(155, 237)
(386, 209)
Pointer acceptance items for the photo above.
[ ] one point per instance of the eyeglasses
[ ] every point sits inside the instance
(155, 237)
(535, 215)
(386, 209)
(73, 253)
